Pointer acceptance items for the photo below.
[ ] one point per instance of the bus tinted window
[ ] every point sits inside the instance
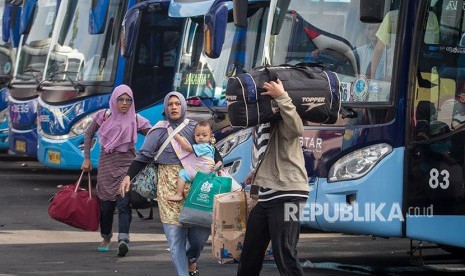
(439, 106)
(155, 57)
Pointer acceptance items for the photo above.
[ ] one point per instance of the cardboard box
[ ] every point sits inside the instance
(227, 246)
(229, 211)
(228, 227)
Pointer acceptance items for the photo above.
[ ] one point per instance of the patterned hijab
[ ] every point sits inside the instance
(119, 131)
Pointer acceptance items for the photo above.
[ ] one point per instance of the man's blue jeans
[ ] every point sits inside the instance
(186, 244)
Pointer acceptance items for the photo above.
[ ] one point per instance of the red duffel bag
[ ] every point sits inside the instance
(76, 206)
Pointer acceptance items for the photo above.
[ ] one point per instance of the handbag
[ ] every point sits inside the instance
(144, 184)
(76, 206)
(198, 207)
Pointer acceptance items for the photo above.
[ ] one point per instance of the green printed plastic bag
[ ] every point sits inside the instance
(198, 206)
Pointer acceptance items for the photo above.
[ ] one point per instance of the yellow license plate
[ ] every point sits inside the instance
(54, 157)
(20, 146)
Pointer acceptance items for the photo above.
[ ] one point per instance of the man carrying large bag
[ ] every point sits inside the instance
(283, 180)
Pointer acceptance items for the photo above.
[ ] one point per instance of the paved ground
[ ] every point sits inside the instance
(31, 243)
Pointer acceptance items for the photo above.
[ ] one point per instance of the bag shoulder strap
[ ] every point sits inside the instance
(334, 84)
(106, 114)
(168, 140)
(139, 214)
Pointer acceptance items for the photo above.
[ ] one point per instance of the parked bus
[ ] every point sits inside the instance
(36, 25)
(10, 14)
(162, 53)
(84, 65)
(203, 79)
(393, 164)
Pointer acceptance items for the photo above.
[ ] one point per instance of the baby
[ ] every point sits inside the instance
(204, 157)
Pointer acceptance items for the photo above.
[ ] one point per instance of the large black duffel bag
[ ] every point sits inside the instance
(313, 91)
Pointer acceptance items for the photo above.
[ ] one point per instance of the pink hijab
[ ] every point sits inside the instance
(119, 131)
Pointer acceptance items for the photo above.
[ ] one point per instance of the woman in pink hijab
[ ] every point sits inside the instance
(117, 133)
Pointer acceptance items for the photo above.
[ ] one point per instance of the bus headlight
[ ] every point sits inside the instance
(358, 163)
(81, 126)
(226, 145)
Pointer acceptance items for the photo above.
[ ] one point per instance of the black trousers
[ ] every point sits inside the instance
(107, 212)
(267, 222)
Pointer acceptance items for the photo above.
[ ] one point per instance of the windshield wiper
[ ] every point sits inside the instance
(76, 85)
(32, 70)
(348, 112)
(79, 87)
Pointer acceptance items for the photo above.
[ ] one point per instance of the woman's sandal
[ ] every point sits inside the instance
(194, 273)
(195, 268)
(103, 248)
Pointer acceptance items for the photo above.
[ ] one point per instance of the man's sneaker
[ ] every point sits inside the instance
(123, 249)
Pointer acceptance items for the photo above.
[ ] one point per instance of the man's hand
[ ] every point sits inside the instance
(125, 184)
(248, 180)
(274, 88)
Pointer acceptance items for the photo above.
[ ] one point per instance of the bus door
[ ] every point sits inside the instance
(436, 169)
(152, 62)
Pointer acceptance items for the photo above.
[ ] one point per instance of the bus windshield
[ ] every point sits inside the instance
(33, 54)
(330, 32)
(205, 77)
(77, 55)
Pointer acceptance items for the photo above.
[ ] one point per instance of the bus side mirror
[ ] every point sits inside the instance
(214, 28)
(240, 8)
(280, 14)
(29, 7)
(15, 23)
(98, 16)
(6, 19)
(130, 29)
(372, 11)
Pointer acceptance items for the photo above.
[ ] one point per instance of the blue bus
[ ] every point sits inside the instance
(393, 164)
(160, 43)
(202, 78)
(84, 65)
(36, 25)
(10, 14)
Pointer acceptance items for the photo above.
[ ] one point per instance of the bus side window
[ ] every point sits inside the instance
(432, 29)
(458, 115)
(171, 42)
(427, 123)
